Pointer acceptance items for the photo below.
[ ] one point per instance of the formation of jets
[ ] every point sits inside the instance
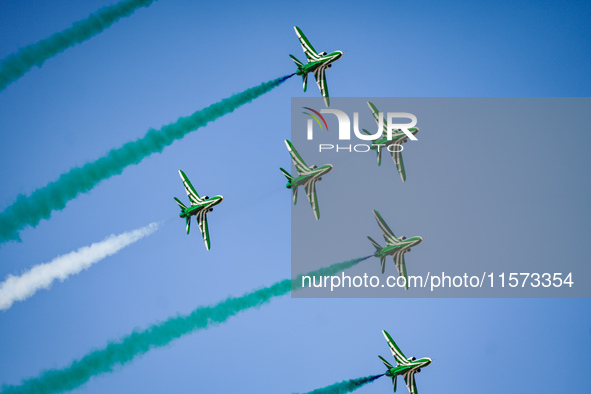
(381, 143)
(200, 207)
(317, 64)
(395, 247)
(307, 177)
(406, 367)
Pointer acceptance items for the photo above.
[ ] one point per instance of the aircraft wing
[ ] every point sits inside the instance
(309, 50)
(409, 378)
(299, 163)
(310, 187)
(321, 82)
(396, 352)
(388, 234)
(401, 265)
(202, 221)
(397, 156)
(375, 113)
(193, 196)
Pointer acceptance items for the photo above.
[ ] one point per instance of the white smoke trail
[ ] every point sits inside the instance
(19, 288)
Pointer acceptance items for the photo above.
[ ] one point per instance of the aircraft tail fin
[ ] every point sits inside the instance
(378, 248)
(288, 176)
(300, 65)
(389, 366)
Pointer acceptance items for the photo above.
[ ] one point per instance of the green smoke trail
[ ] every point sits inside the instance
(16, 65)
(137, 343)
(29, 210)
(346, 386)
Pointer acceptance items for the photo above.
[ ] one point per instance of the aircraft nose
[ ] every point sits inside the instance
(419, 240)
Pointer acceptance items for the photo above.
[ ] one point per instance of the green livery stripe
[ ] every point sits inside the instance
(396, 352)
(386, 231)
(309, 50)
(191, 193)
(299, 163)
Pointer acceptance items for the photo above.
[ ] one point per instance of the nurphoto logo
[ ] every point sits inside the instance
(389, 135)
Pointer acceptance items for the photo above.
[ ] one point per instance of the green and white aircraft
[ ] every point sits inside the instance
(398, 138)
(317, 64)
(407, 367)
(200, 207)
(307, 176)
(395, 247)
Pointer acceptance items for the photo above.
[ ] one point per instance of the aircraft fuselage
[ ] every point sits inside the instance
(205, 205)
(401, 369)
(324, 60)
(316, 173)
(389, 250)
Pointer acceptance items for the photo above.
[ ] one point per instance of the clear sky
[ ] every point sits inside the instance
(176, 57)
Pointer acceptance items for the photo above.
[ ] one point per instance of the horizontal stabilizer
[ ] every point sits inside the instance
(387, 364)
(374, 243)
(188, 224)
(287, 174)
(183, 207)
(296, 61)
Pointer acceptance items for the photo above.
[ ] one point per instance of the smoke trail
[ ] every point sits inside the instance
(29, 210)
(16, 65)
(19, 288)
(346, 386)
(137, 343)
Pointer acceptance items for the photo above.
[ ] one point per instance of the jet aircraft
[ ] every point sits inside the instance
(395, 247)
(381, 143)
(200, 207)
(407, 367)
(317, 64)
(307, 176)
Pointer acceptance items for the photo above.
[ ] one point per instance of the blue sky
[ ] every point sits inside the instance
(176, 57)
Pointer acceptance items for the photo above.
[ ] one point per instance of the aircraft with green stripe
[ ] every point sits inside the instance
(307, 177)
(317, 64)
(200, 207)
(395, 247)
(406, 367)
(381, 143)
